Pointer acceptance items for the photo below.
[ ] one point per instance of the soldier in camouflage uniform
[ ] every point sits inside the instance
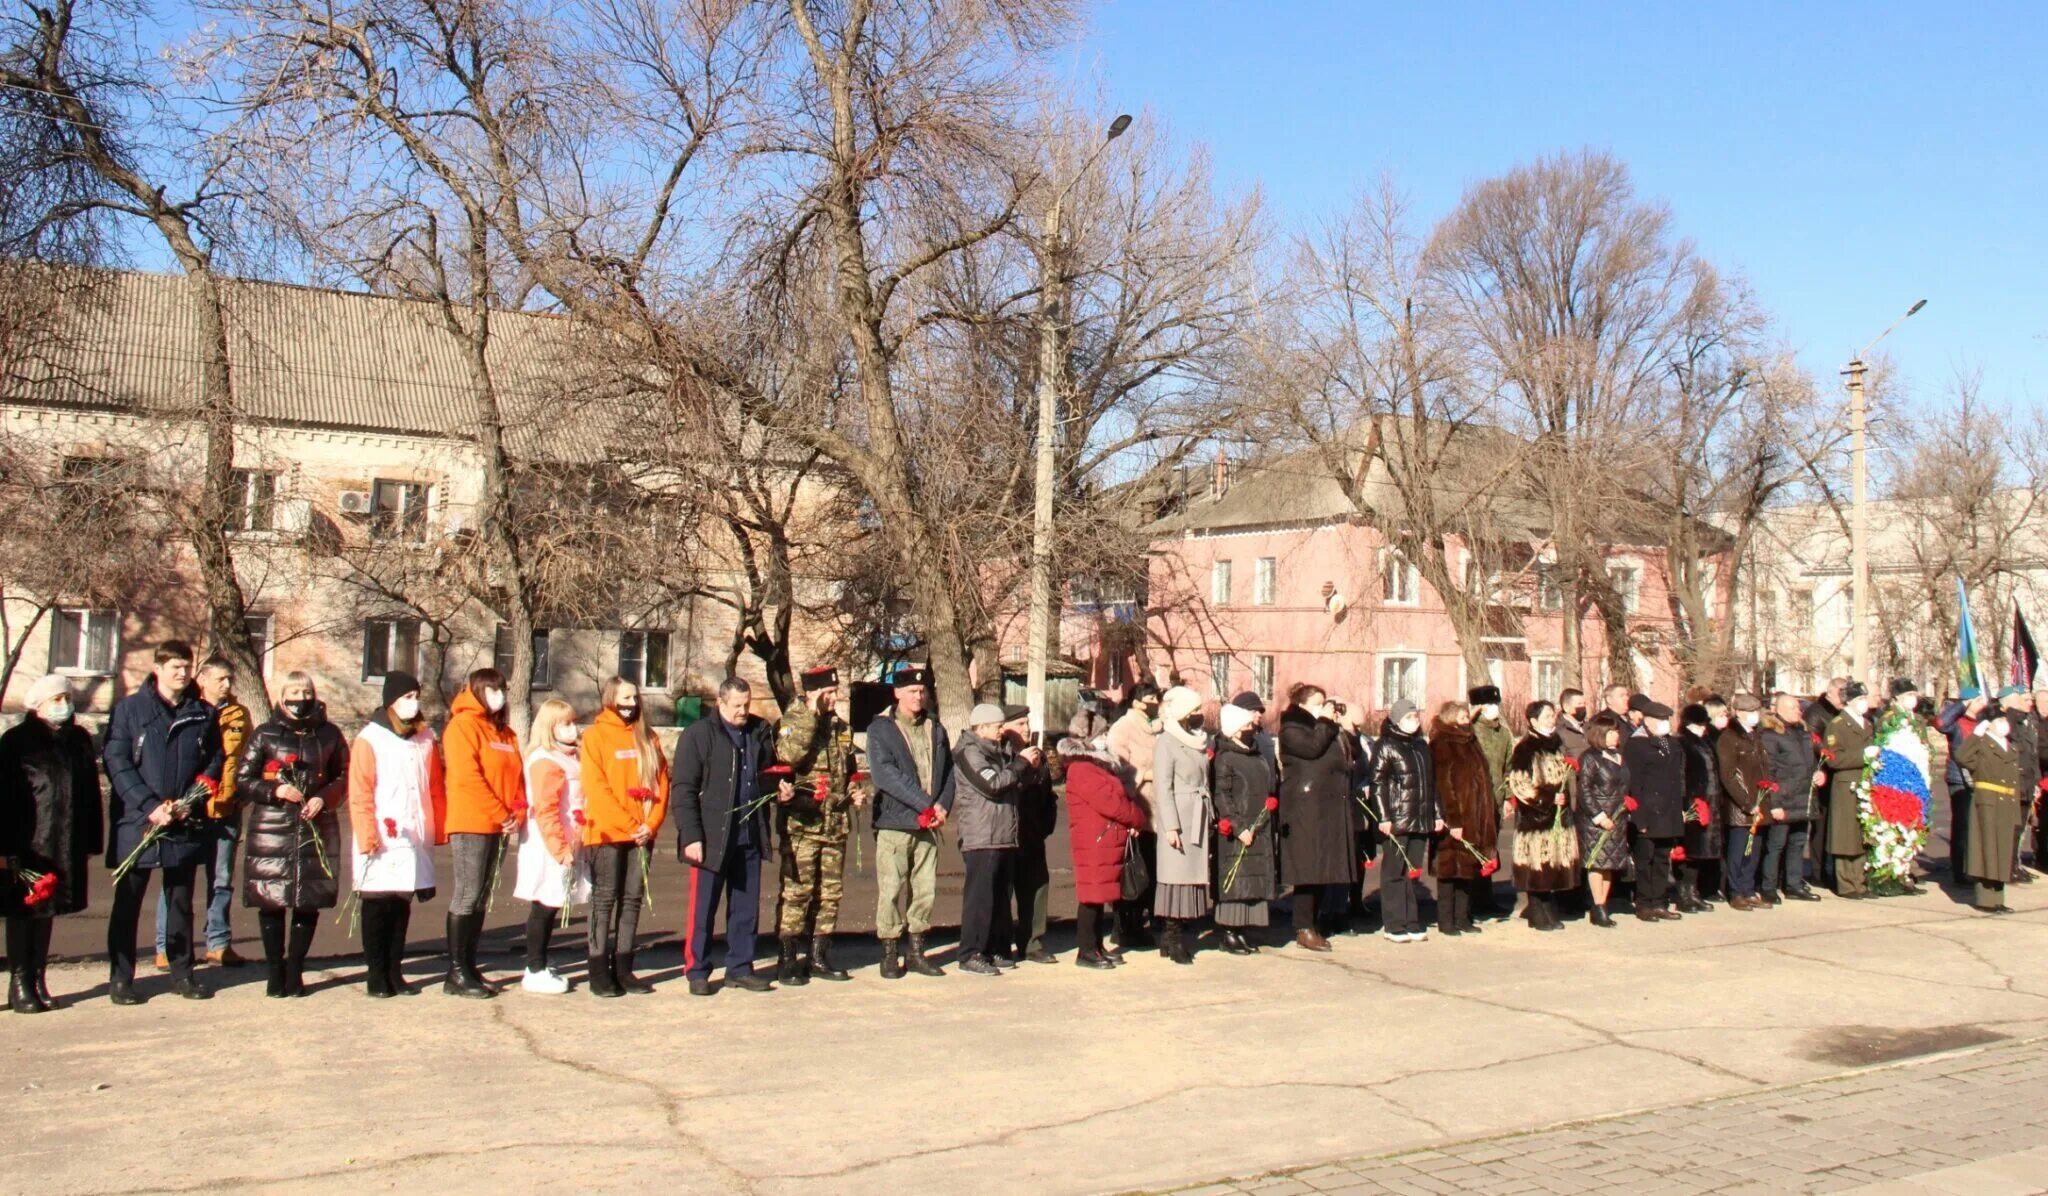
(818, 746)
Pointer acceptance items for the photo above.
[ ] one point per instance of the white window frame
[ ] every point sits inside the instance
(1632, 593)
(1220, 581)
(1400, 580)
(408, 521)
(265, 641)
(1265, 581)
(1549, 591)
(86, 619)
(543, 669)
(638, 676)
(1381, 660)
(1219, 675)
(1262, 676)
(247, 505)
(1540, 691)
(391, 626)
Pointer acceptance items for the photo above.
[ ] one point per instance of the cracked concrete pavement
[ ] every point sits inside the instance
(1050, 1079)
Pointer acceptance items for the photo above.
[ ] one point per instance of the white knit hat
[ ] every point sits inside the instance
(1235, 719)
(49, 686)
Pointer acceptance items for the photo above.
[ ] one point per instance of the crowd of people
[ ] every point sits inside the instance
(1179, 828)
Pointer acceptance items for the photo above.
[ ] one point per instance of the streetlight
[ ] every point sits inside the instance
(1051, 380)
(1859, 522)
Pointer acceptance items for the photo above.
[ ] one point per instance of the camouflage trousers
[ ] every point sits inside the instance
(813, 877)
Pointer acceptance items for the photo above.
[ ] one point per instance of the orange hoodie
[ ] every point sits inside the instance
(611, 770)
(486, 776)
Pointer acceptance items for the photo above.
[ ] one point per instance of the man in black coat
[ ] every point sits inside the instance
(1821, 711)
(160, 741)
(1656, 771)
(718, 796)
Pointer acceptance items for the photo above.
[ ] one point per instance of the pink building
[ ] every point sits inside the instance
(1274, 579)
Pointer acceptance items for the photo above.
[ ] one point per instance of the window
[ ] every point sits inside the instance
(1262, 677)
(1400, 679)
(1799, 611)
(1627, 581)
(398, 510)
(1219, 583)
(253, 505)
(542, 674)
(106, 469)
(390, 646)
(262, 635)
(1400, 582)
(1219, 675)
(1265, 581)
(82, 641)
(1549, 594)
(1549, 679)
(1092, 589)
(643, 658)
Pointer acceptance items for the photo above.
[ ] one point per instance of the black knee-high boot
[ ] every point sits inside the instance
(540, 930)
(394, 948)
(21, 953)
(41, 929)
(270, 928)
(304, 923)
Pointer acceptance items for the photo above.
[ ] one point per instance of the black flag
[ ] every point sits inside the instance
(2025, 657)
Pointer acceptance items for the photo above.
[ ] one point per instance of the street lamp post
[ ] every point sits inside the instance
(1859, 520)
(1052, 314)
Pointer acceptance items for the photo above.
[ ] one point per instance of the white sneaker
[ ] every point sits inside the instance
(543, 982)
(1417, 936)
(1391, 937)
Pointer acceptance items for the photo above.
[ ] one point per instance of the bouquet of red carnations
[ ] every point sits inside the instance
(203, 790)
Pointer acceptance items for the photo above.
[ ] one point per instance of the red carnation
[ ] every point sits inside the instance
(1767, 786)
(1489, 868)
(1678, 855)
(1631, 804)
(1272, 804)
(391, 826)
(1571, 763)
(289, 758)
(1224, 828)
(860, 776)
(777, 770)
(271, 770)
(1704, 811)
(1414, 874)
(212, 785)
(1827, 755)
(1372, 864)
(639, 794)
(927, 818)
(44, 888)
(578, 817)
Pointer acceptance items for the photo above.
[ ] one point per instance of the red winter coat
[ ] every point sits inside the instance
(1098, 814)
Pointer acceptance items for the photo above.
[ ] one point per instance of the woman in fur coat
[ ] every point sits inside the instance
(1465, 803)
(1546, 841)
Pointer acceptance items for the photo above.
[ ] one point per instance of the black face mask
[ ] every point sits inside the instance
(630, 713)
(300, 711)
(1192, 724)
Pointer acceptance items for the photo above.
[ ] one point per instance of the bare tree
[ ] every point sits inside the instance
(88, 76)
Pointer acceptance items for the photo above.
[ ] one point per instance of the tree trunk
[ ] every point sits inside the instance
(14, 643)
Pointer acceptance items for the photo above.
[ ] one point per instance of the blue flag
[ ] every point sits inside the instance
(1969, 667)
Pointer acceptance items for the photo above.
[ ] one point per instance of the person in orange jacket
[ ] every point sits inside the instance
(397, 804)
(486, 807)
(625, 801)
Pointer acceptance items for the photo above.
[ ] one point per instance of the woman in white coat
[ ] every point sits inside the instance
(397, 806)
(1181, 816)
(552, 872)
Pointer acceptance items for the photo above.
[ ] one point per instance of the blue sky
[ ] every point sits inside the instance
(1848, 158)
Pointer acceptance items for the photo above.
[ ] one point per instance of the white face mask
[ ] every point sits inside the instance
(1750, 718)
(407, 708)
(1860, 707)
(494, 699)
(1411, 724)
(1657, 726)
(57, 713)
(566, 734)
(1907, 702)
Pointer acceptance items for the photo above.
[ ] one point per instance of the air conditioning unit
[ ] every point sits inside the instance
(354, 502)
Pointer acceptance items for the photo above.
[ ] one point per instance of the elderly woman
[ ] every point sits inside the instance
(1603, 812)
(50, 826)
(1317, 846)
(294, 772)
(1405, 790)
(1182, 813)
(1101, 819)
(1546, 845)
(1247, 863)
(1471, 820)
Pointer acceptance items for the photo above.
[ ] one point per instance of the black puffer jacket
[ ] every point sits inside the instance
(1603, 789)
(1404, 784)
(50, 817)
(288, 862)
(1792, 759)
(1656, 777)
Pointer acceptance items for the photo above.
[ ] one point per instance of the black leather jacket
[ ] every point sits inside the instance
(1404, 783)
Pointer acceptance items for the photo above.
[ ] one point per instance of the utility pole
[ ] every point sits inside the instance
(1859, 516)
(1052, 358)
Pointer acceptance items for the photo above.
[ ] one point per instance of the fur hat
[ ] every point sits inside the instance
(1483, 695)
(909, 675)
(46, 687)
(1855, 690)
(1902, 686)
(825, 677)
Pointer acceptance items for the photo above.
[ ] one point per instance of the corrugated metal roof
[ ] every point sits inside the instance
(319, 358)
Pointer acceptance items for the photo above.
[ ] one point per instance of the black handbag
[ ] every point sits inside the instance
(1137, 872)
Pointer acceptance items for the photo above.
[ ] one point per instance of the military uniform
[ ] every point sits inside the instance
(1848, 740)
(814, 825)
